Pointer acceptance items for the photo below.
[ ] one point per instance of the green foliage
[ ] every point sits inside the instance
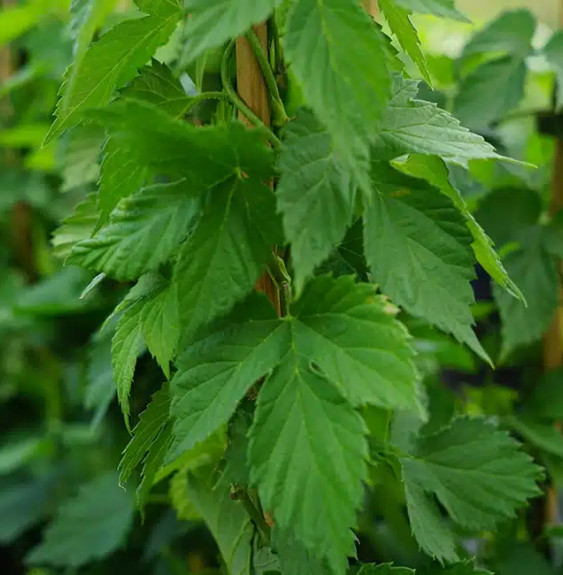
(295, 315)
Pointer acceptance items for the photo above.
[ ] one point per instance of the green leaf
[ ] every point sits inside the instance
(536, 272)
(297, 407)
(17, 20)
(317, 44)
(411, 126)
(88, 16)
(151, 424)
(213, 22)
(442, 8)
(78, 227)
(546, 400)
(111, 62)
(510, 33)
(215, 372)
(465, 568)
(227, 520)
(143, 232)
(401, 25)
(434, 170)
(125, 347)
(222, 260)
(315, 194)
(553, 51)
(488, 93)
(477, 473)
(120, 177)
(206, 155)
(418, 247)
(543, 435)
(294, 558)
(352, 334)
(81, 155)
(87, 527)
(157, 85)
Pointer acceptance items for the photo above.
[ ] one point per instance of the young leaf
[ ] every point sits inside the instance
(143, 232)
(157, 85)
(227, 520)
(478, 474)
(434, 170)
(213, 22)
(401, 25)
(222, 260)
(443, 8)
(308, 448)
(125, 347)
(111, 62)
(315, 194)
(87, 527)
(385, 569)
(418, 247)
(411, 126)
(317, 44)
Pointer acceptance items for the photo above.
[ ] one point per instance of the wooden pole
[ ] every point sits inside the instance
(252, 89)
(371, 7)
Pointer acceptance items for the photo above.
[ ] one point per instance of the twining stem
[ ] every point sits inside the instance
(237, 100)
(280, 116)
(256, 515)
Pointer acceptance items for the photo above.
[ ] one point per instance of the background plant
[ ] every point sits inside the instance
(279, 434)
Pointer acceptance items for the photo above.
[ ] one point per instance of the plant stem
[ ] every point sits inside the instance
(280, 116)
(237, 100)
(255, 515)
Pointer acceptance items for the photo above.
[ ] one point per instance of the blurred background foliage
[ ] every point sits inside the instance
(61, 433)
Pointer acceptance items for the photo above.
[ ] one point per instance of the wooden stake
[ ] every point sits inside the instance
(252, 89)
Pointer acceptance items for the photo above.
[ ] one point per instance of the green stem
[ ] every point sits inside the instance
(237, 100)
(279, 114)
(282, 279)
(256, 516)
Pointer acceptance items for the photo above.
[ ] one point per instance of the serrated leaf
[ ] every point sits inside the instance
(315, 194)
(434, 170)
(352, 334)
(157, 85)
(143, 232)
(213, 22)
(411, 126)
(215, 372)
(342, 326)
(536, 272)
(418, 247)
(227, 520)
(78, 227)
(120, 177)
(81, 157)
(477, 473)
(292, 467)
(511, 33)
(111, 62)
(206, 155)
(491, 91)
(88, 16)
(87, 527)
(400, 23)
(294, 558)
(222, 260)
(553, 51)
(151, 424)
(317, 41)
(125, 347)
(179, 497)
(340, 340)
(442, 8)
